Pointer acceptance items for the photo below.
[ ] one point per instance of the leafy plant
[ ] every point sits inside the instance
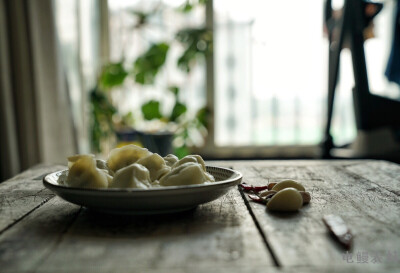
(196, 43)
(102, 112)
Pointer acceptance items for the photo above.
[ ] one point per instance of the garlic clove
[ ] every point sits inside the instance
(288, 184)
(288, 199)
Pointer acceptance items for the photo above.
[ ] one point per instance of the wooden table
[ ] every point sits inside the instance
(40, 232)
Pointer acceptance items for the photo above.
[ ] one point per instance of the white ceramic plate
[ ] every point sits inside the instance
(147, 201)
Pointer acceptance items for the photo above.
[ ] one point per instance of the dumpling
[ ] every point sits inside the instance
(132, 176)
(72, 159)
(102, 165)
(156, 166)
(186, 174)
(125, 156)
(84, 174)
(170, 159)
(191, 158)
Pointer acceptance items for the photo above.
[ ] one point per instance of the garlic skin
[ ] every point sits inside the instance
(288, 199)
(288, 184)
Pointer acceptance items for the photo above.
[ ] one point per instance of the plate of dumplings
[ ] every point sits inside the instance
(134, 180)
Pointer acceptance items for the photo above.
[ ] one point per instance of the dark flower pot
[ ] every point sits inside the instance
(157, 142)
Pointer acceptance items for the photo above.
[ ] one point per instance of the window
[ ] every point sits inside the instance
(269, 63)
(271, 73)
(269, 81)
(78, 33)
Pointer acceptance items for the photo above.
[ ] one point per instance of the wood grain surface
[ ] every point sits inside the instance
(350, 190)
(43, 233)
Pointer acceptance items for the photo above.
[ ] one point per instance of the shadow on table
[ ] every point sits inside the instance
(199, 221)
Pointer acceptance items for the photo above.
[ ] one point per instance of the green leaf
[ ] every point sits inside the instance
(128, 119)
(151, 110)
(202, 116)
(187, 7)
(149, 63)
(187, 58)
(113, 75)
(181, 152)
(197, 43)
(174, 90)
(178, 110)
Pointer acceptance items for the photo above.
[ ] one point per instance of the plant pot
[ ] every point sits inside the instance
(156, 142)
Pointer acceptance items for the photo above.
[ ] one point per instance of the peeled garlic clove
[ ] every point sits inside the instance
(288, 184)
(288, 199)
(266, 193)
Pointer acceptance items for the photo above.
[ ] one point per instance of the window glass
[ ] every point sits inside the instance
(271, 61)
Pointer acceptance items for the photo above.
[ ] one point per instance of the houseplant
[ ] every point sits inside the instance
(151, 123)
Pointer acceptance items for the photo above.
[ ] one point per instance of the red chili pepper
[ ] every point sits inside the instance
(339, 229)
(250, 188)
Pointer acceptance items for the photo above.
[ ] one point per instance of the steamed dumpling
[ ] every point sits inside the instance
(170, 159)
(102, 165)
(132, 176)
(186, 174)
(125, 156)
(191, 158)
(156, 166)
(72, 159)
(84, 174)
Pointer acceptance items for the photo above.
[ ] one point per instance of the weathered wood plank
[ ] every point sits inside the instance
(22, 194)
(279, 163)
(217, 234)
(220, 235)
(300, 239)
(24, 246)
(385, 174)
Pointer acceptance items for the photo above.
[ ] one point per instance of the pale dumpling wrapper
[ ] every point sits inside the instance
(170, 159)
(188, 173)
(74, 158)
(125, 156)
(156, 166)
(102, 165)
(190, 158)
(132, 176)
(84, 174)
(134, 167)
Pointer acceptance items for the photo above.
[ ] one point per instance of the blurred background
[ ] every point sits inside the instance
(225, 79)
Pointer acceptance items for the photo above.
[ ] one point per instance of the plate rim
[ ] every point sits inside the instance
(237, 176)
